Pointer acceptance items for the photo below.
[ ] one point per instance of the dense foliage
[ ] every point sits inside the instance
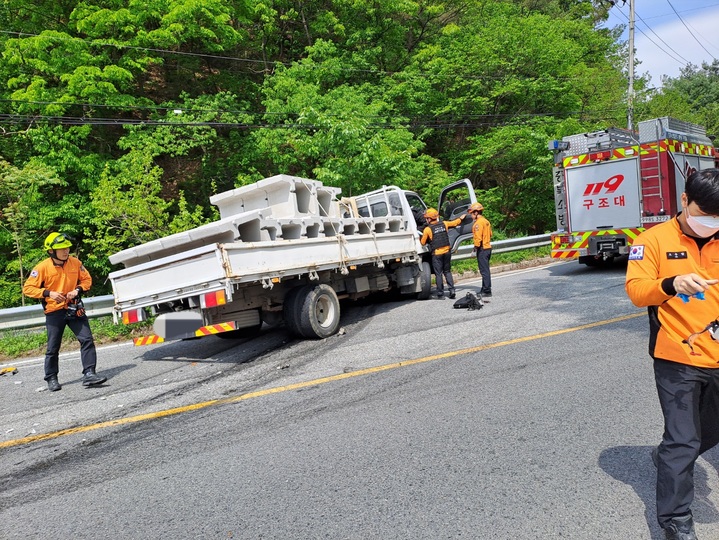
(120, 119)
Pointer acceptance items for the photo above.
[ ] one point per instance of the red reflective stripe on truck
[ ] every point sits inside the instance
(215, 329)
(147, 340)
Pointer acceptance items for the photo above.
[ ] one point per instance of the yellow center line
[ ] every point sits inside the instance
(305, 384)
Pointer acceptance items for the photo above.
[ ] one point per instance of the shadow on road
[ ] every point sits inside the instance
(632, 465)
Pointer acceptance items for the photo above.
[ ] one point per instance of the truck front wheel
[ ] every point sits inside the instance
(316, 311)
(425, 279)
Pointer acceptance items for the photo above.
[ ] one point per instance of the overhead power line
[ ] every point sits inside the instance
(264, 63)
(669, 54)
(660, 39)
(421, 122)
(688, 30)
(176, 114)
(707, 6)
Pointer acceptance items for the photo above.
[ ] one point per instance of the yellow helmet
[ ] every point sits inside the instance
(476, 207)
(431, 213)
(56, 241)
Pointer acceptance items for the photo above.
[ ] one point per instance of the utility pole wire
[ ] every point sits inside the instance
(670, 55)
(701, 36)
(660, 39)
(688, 30)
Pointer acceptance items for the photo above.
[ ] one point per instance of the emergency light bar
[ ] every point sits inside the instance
(558, 146)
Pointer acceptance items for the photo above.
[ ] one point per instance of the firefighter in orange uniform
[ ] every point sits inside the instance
(436, 235)
(672, 270)
(482, 237)
(58, 282)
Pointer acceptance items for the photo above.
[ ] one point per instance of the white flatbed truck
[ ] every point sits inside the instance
(284, 249)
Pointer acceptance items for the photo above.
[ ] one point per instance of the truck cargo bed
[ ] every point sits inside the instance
(219, 265)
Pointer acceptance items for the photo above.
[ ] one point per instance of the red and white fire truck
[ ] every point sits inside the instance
(610, 185)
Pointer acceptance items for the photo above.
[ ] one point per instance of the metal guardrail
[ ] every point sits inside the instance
(98, 306)
(29, 316)
(503, 246)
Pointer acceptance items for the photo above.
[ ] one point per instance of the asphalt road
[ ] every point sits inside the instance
(532, 418)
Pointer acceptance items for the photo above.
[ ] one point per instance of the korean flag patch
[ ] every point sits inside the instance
(636, 253)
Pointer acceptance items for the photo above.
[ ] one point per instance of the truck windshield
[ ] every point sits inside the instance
(415, 203)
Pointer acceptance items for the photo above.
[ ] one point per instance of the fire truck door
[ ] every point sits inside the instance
(684, 165)
(604, 195)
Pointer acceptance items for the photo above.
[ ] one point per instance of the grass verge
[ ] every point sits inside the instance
(31, 342)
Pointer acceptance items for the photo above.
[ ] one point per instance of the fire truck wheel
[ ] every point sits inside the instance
(319, 314)
(425, 278)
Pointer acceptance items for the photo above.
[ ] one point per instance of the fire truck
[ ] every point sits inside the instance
(610, 185)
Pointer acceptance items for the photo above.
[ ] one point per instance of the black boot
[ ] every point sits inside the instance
(52, 384)
(681, 528)
(90, 378)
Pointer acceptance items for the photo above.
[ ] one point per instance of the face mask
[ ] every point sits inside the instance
(703, 226)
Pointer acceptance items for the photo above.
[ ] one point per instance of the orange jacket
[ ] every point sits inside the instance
(676, 327)
(482, 233)
(427, 236)
(46, 277)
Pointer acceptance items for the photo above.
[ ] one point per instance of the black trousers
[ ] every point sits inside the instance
(483, 256)
(442, 265)
(689, 397)
(55, 324)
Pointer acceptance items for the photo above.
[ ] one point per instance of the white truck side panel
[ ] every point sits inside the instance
(176, 276)
(604, 195)
(208, 268)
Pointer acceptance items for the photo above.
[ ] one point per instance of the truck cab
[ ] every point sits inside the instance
(454, 200)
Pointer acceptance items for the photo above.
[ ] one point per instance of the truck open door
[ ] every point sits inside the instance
(453, 202)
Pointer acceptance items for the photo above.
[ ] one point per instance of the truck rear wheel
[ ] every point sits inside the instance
(290, 309)
(317, 311)
(425, 278)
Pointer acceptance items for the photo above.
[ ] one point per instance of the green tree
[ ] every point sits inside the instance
(135, 104)
(344, 135)
(693, 96)
(21, 193)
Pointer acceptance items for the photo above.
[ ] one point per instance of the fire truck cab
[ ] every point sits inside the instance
(610, 185)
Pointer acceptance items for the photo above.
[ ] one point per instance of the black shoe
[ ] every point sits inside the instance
(452, 295)
(655, 456)
(90, 378)
(440, 297)
(52, 384)
(681, 528)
